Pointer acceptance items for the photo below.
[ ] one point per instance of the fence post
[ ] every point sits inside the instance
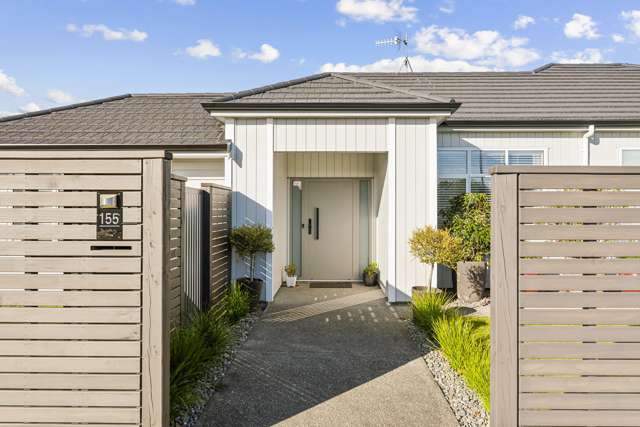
(504, 300)
(155, 334)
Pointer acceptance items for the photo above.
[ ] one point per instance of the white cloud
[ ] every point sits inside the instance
(30, 107)
(59, 96)
(8, 84)
(203, 49)
(617, 38)
(581, 27)
(7, 113)
(107, 33)
(523, 21)
(418, 62)
(486, 48)
(185, 2)
(267, 54)
(447, 6)
(633, 21)
(377, 10)
(586, 56)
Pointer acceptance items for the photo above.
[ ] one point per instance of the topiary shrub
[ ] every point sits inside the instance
(249, 241)
(432, 246)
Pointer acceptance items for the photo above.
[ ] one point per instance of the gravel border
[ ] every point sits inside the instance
(206, 387)
(464, 402)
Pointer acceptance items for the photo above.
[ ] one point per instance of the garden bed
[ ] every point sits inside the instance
(456, 350)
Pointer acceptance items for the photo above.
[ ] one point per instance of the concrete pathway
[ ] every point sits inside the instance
(329, 357)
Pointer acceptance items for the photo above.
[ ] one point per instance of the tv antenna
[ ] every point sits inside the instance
(402, 43)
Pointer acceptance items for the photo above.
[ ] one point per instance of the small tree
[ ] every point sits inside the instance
(249, 241)
(432, 246)
(469, 219)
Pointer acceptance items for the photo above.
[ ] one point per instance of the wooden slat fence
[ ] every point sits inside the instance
(83, 336)
(220, 249)
(196, 251)
(565, 296)
(176, 259)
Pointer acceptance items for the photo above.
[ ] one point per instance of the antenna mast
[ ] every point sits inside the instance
(402, 43)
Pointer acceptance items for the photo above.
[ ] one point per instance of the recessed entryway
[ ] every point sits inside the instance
(330, 227)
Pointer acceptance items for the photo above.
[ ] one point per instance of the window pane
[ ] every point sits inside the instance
(630, 157)
(452, 162)
(448, 188)
(526, 157)
(481, 161)
(481, 185)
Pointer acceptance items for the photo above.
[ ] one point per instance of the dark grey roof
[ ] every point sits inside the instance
(331, 88)
(594, 93)
(145, 119)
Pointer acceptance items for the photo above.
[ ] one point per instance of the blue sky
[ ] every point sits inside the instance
(54, 52)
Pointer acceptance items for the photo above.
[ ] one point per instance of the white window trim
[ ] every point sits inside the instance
(623, 149)
(468, 176)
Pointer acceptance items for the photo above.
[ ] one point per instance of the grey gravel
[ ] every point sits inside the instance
(206, 387)
(465, 403)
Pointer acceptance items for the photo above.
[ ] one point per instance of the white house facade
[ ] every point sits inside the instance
(345, 166)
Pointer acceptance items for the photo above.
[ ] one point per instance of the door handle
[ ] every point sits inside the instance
(317, 215)
(309, 227)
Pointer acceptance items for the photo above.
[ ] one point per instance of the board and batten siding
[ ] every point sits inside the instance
(338, 135)
(415, 199)
(606, 146)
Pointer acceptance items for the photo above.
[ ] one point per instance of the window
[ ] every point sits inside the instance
(467, 170)
(630, 157)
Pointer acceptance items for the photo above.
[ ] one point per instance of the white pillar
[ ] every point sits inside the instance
(432, 180)
(391, 238)
(274, 275)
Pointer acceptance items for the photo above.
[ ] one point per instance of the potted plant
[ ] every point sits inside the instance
(249, 241)
(291, 275)
(469, 220)
(432, 246)
(370, 274)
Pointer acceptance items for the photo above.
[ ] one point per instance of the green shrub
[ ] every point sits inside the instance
(469, 219)
(290, 270)
(250, 240)
(432, 246)
(192, 349)
(464, 341)
(237, 302)
(371, 269)
(428, 307)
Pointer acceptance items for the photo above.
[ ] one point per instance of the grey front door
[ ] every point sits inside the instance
(330, 229)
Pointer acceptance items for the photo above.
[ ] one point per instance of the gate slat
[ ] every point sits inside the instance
(579, 401)
(67, 215)
(70, 382)
(579, 384)
(579, 249)
(70, 281)
(573, 418)
(121, 332)
(71, 265)
(59, 232)
(69, 315)
(573, 215)
(95, 248)
(66, 198)
(579, 181)
(579, 283)
(69, 398)
(580, 333)
(579, 232)
(579, 367)
(49, 166)
(69, 348)
(72, 298)
(70, 415)
(71, 365)
(579, 198)
(70, 182)
(551, 316)
(580, 350)
(579, 299)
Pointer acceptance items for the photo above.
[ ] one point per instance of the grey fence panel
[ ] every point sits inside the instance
(219, 247)
(176, 258)
(195, 257)
(566, 296)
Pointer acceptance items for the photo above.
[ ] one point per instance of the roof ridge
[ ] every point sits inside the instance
(64, 108)
(389, 87)
(266, 88)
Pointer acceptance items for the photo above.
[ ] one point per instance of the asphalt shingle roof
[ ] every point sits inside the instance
(146, 119)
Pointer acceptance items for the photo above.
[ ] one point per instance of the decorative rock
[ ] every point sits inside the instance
(465, 403)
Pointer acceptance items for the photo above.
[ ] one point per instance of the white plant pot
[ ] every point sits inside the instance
(291, 281)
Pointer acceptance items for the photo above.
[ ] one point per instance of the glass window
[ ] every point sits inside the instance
(481, 184)
(526, 157)
(452, 162)
(630, 157)
(481, 161)
(448, 188)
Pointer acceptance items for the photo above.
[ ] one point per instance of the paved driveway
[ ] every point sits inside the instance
(329, 357)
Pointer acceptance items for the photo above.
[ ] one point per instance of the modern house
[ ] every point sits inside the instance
(344, 166)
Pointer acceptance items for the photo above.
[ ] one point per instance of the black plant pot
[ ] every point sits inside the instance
(254, 287)
(370, 280)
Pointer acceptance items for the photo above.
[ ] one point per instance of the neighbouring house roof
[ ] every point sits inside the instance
(584, 93)
(127, 120)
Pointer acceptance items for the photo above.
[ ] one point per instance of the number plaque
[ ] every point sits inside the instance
(109, 220)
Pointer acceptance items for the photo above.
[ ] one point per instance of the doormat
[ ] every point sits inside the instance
(325, 285)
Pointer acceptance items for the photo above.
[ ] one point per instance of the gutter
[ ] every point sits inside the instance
(586, 139)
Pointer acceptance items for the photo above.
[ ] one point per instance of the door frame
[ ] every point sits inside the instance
(372, 224)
